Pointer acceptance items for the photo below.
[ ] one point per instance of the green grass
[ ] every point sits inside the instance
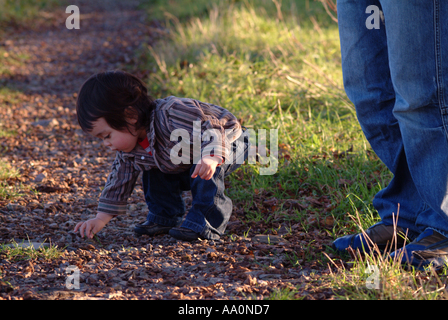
(274, 68)
(188, 8)
(276, 65)
(9, 96)
(17, 251)
(20, 12)
(14, 13)
(8, 60)
(7, 172)
(285, 294)
(377, 277)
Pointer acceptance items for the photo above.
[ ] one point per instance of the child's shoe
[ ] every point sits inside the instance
(184, 234)
(150, 229)
(380, 234)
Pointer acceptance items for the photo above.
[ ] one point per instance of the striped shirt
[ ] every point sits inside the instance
(195, 118)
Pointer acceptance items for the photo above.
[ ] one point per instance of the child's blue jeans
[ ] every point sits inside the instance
(211, 208)
(397, 77)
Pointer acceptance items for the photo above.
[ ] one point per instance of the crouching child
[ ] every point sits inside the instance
(179, 144)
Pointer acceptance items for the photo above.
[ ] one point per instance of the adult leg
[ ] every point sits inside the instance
(417, 40)
(368, 84)
(417, 36)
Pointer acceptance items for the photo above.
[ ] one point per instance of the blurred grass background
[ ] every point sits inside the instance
(25, 12)
(16, 15)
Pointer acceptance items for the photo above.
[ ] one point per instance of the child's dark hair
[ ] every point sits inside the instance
(107, 95)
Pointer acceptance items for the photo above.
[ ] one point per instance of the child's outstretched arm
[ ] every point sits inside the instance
(119, 186)
(93, 226)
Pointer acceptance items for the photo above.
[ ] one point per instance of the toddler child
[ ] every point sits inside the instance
(171, 141)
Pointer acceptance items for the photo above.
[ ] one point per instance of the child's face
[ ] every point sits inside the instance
(114, 139)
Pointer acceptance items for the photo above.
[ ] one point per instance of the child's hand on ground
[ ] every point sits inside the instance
(206, 167)
(92, 226)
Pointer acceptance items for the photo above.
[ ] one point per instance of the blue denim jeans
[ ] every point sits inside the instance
(211, 208)
(397, 78)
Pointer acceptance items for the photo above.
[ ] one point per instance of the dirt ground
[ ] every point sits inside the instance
(68, 168)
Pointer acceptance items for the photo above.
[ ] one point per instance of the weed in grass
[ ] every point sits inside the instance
(395, 281)
(189, 8)
(8, 60)
(7, 172)
(376, 276)
(8, 95)
(8, 191)
(25, 251)
(285, 294)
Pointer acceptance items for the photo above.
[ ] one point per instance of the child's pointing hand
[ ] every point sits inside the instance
(206, 167)
(91, 227)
